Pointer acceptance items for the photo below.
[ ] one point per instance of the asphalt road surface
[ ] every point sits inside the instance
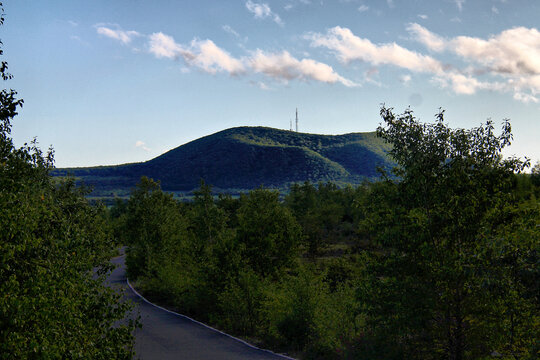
(165, 335)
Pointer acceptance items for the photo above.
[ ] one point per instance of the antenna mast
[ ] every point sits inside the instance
(290, 121)
(296, 119)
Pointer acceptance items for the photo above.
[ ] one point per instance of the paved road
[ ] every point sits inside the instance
(168, 336)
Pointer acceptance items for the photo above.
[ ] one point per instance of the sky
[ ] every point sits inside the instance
(109, 82)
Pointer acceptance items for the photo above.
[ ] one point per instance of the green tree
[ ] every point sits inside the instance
(535, 175)
(154, 228)
(319, 211)
(54, 259)
(302, 314)
(267, 230)
(207, 220)
(443, 282)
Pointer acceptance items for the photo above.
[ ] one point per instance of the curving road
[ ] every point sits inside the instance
(166, 335)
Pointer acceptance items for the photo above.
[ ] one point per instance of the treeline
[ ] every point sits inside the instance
(249, 265)
(437, 260)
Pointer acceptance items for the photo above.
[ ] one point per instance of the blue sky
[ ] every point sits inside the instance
(110, 82)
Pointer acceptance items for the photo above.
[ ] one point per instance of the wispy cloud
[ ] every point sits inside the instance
(294, 3)
(208, 57)
(79, 40)
(263, 11)
(230, 30)
(124, 37)
(422, 16)
(459, 4)
(405, 79)
(283, 66)
(525, 98)
(363, 8)
(349, 47)
(513, 55)
(203, 54)
(142, 145)
(514, 51)
(465, 84)
(261, 85)
(507, 62)
(164, 46)
(431, 40)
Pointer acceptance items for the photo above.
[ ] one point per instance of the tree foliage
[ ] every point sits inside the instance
(54, 259)
(437, 260)
(323, 211)
(445, 282)
(267, 230)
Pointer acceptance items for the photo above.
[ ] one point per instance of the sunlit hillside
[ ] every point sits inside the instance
(245, 158)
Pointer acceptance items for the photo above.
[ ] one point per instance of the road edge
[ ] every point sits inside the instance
(205, 325)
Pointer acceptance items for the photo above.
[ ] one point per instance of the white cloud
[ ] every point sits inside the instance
(79, 40)
(142, 145)
(507, 62)
(422, 16)
(162, 45)
(512, 55)
(211, 58)
(207, 56)
(459, 4)
(363, 8)
(514, 51)
(525, 98)
(426, 37)
(283, 66)
(460, 84)
(73, 23)
(494, 10)
(349, 47)
(263, 11)
(405, 79)
(261, 85)
(124, 37)
(230, 30)
(204, 54)
(390, 3)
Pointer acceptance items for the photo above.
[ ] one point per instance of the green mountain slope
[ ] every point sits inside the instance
(247, 157)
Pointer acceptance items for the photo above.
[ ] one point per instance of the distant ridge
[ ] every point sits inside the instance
(244, 158)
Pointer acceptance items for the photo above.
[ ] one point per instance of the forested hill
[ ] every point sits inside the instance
(245, 158)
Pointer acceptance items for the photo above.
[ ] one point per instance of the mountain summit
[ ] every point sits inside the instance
(245, 158)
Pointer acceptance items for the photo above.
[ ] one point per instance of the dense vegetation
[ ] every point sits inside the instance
(245, 158)
(438, 260)
(54, 257)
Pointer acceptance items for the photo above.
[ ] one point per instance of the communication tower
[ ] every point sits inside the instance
(296, 119)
